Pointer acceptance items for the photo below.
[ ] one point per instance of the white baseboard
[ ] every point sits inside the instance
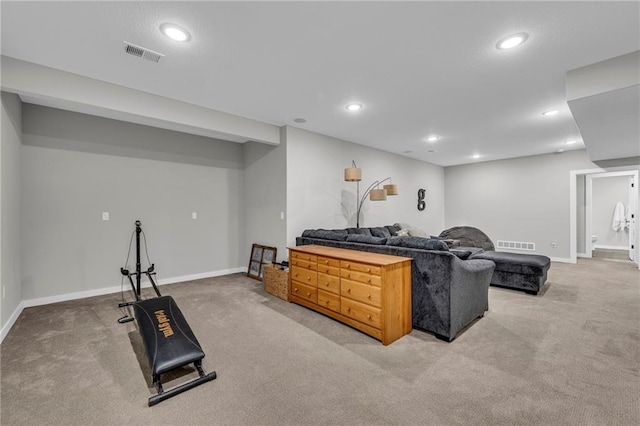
(102, 291)
(12, 319)
(605, 247)
(582, 255)
(562, 260)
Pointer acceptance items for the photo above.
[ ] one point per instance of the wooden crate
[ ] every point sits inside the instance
(276, 281)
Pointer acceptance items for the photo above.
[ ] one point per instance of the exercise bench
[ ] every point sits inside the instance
(169, 344)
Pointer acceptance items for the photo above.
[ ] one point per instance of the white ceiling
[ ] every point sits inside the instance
(419, 68)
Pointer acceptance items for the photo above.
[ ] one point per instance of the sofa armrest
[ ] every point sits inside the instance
(469, 291)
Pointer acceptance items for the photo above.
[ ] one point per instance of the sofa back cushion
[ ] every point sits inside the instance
(326, 234)
(367, 239)
(361, 231)
(418, 243)
(381, 232)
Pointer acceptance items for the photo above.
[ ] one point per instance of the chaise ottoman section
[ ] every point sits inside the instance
(526, 272)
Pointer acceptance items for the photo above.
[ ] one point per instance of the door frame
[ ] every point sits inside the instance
(573, 189)
(633, 201)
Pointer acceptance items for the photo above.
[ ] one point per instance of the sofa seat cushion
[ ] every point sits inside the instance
(517, 263)
(418, 243)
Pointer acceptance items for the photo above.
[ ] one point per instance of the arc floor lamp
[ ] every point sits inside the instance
(375, 193)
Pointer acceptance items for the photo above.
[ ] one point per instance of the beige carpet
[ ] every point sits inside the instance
(569, 356)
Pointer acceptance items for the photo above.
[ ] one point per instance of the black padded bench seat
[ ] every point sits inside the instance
(169, 343)
(526, 272)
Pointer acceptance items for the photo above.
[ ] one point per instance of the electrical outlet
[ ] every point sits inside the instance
(105, 215)
(194, 215)
(554, 244)
(281, 215)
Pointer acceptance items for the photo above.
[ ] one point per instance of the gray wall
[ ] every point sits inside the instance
(264, 197)
(318, 196)
(521, 199)
(75, 167)
(10, 163)
(605, 193)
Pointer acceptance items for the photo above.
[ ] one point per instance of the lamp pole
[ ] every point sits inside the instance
(364, 196)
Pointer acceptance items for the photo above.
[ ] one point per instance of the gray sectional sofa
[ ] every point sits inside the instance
(448, 293)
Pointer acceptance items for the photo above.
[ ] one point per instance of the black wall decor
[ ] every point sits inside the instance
(421, 203)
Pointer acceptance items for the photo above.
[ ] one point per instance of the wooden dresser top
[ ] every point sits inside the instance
(352, 255)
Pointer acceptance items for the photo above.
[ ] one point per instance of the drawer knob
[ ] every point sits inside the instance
(326, 262)
(347, 266)
(308, 294)
(327, 284)
(369, 316)
(308, 278)
(368, 269)
(295, 275)
(369, 280)
(295, 290)
(368, 296)
(348, 290)
(348, 309)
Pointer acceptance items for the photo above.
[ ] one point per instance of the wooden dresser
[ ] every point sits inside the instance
(368, 291)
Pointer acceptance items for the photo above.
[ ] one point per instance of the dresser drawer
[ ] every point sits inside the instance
(306, 264)
(362, 293)
(360, 267)
(304, 291)
(329, 283)
(361, 277)
(328, 261)
(360, 312)
(329, 300)
(330, 270)
(303, 256)
(304, 276)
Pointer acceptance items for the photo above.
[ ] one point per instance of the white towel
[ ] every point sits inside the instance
(619, 220)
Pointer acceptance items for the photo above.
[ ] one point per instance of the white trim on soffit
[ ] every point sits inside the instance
(573, 210)
(102, 291)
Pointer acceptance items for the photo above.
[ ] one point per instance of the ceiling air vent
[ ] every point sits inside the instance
(142, 52)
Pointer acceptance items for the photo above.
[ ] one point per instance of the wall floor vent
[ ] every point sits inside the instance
(142, 52)
(516, 245)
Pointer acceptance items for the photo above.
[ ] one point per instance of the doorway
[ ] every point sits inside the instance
(610, 205)
(621, 244)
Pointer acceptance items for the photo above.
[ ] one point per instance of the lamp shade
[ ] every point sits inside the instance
(378, 195)
(353, 174)
(392, 189)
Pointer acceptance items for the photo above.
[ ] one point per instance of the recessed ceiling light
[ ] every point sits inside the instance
(512, 41)
(475, 156)
(353, 107)
(570, 142)
(407, 152)
(433, 138)
(550, 113)
(175, 32)
(300, 120)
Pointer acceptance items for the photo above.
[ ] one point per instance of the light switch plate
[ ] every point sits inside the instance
(105, 215)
